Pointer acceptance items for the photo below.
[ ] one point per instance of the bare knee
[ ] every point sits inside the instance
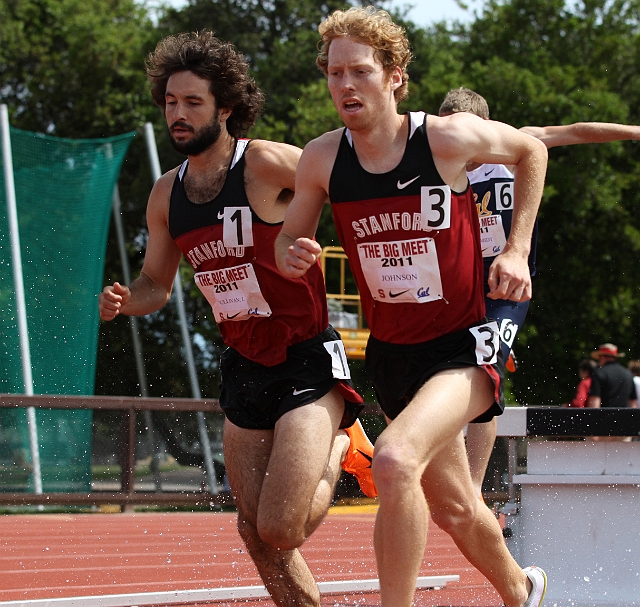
(272, 533)
(249, 533)
(394, 468)
(281, 531)
(455, 516)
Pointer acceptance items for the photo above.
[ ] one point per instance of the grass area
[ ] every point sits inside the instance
(18, 478)
(112, 472)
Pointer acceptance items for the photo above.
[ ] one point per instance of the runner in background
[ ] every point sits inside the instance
(492, 186)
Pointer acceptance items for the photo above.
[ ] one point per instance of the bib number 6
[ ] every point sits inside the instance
(504, 196)
(487, 343)
(508, 330)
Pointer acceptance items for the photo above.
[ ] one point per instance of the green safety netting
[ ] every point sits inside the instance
(64, 191)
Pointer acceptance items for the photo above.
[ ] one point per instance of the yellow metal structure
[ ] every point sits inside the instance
(355, 339)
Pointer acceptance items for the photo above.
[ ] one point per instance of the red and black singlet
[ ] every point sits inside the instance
(412, 243)
(260, 312)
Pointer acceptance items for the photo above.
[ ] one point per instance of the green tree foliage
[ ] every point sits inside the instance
(72, 68)
(76, 69)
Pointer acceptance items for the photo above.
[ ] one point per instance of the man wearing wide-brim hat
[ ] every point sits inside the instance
(609, 351)
(612, 384)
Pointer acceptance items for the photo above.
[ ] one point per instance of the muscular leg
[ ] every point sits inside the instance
(473, 527)
(283, 482)
(423, 440)
(480, 440)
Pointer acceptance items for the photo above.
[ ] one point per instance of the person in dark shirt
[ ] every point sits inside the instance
(405, 216)
(612, 384)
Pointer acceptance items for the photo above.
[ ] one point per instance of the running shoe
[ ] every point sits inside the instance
(357, 461)
(538, 580)
(512, 362)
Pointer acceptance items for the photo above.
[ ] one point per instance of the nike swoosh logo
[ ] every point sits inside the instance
(220, 216)
(392, 295)
(296, 391)
(232, 317)
(489, 172)
(367, 457)
(402, 186)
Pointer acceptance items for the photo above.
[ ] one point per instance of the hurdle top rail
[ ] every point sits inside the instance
(568, 422)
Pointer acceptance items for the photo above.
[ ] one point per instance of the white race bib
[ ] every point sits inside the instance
(435, 207)
(504, 196)
(492, 236)
(487, 342)
(508, 331)
(339, 365)
(402, 271)
(237, 229)
(234, 293)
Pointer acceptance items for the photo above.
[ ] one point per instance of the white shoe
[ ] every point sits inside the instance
(538, 580)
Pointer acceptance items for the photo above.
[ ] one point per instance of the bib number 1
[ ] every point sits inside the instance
(237, 227)
(339, 365)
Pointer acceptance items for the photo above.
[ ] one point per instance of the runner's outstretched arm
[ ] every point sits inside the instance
(582, 132)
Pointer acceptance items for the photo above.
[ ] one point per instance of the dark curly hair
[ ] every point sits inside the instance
(216, 61)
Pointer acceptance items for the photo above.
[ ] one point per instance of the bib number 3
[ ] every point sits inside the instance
(435, 207)
(487, 342)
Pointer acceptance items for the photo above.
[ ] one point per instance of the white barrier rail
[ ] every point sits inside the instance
(217, 594)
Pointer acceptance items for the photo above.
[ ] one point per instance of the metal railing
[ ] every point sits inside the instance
(129, 407)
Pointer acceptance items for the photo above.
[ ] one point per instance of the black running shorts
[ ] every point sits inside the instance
(255, 396)
(398, 371)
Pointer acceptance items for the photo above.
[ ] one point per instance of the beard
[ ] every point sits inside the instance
(202, 140)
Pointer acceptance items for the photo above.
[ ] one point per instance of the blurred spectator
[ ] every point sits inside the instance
(585, 371)
(612, 384)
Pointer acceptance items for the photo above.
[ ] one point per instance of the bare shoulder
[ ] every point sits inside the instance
(312, 186)
(158, 206)
(264, 157)
(448, 135)
(322, 151)
(326, 143)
